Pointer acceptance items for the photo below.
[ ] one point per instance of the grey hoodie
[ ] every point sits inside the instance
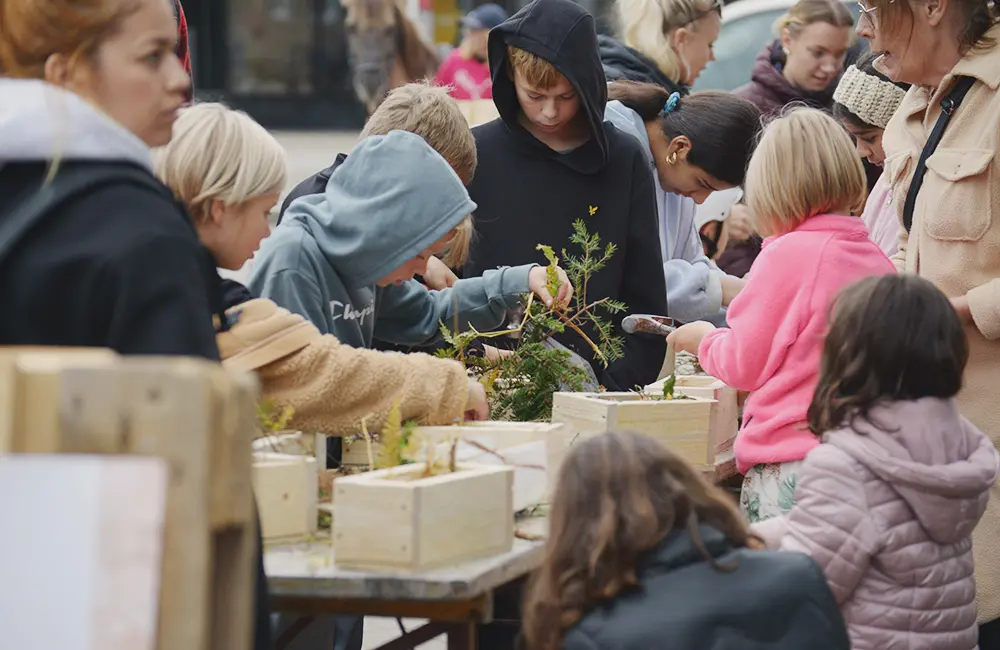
(392, 198)
(694, 286)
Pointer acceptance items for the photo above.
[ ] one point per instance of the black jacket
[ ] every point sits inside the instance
(529, 194)
(120, 267)
(315, 184)
(622, 62)
(772, 600)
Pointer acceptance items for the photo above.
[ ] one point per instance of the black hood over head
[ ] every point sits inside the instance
(622, 62)
(564, 34)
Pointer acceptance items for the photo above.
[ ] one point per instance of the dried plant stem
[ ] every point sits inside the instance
(368, 444)
(494, 452)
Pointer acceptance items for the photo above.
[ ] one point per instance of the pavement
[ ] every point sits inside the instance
(309, 152)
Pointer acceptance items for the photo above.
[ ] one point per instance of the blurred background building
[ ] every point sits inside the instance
(285, 61)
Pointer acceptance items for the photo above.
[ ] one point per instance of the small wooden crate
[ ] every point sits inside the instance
(532, 448)
(682, 425)
(388, 519)
(197, 417)
(286, 486)
(725, 413)
(354, 453)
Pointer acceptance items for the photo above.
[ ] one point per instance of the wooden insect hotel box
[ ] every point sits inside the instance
(683, 425)
(397, 519)
(192, 414)
(725, 411)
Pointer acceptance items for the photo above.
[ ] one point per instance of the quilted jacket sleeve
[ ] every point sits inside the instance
(830, 520)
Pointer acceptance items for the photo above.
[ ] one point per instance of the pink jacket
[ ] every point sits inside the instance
(888, 516)
(881, 218)
(776, 328)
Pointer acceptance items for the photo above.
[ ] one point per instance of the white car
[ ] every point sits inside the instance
(747, 25)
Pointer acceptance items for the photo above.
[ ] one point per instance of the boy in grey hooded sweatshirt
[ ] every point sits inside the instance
(337, 258)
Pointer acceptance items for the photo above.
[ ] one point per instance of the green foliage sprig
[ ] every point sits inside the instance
(520, 383)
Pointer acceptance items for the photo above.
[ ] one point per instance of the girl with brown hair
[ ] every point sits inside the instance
(888, 503)
(644, 553)
(697, 144)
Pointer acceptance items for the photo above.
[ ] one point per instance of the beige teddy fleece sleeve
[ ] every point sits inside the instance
(333, 386)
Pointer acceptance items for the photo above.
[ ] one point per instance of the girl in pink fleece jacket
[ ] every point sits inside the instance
(803, 185)
(887, 504)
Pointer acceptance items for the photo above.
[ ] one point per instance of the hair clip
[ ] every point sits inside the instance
(672, 102)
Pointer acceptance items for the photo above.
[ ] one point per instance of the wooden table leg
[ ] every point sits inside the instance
(462, 636)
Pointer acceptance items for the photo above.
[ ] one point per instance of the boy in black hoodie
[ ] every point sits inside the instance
(551, 159)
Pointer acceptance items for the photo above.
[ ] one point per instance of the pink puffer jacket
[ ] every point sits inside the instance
(889, 517)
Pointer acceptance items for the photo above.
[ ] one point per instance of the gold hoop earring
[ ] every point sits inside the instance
(672, 158)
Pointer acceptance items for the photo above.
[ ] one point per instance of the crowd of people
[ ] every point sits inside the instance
(860, 311)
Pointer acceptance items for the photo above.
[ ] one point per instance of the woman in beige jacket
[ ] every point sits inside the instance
(228, 170)
(954, 240)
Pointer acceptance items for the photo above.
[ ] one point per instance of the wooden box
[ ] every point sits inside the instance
(286, 486)
(529, 447)
(682, 425)
(393, 519)
(725, 413)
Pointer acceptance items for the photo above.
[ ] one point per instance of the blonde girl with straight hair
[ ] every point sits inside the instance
(666, 42)
(228, 171)
(805, 186)
(206, 166)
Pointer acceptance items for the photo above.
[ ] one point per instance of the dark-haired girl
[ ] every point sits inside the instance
(864, 101)
(888, 503)
(643, 553)
(697, 144)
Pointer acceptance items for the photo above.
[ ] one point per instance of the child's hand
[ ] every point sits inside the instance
(687, 338)
(476, 405)
(438, 275)
(537, 282)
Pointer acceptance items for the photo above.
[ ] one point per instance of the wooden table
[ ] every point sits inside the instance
(303, 580)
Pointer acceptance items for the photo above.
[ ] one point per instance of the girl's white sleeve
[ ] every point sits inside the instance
(694, 286)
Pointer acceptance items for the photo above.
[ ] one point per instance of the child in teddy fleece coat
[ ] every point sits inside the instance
(228, 170)
(887, 504)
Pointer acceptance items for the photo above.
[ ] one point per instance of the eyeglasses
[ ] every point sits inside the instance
(871, 13)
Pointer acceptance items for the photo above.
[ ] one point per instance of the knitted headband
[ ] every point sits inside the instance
(872, 99)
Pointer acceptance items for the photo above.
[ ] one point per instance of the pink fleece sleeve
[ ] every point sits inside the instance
(764, 320)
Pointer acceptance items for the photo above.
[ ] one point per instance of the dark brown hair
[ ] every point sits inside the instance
(892, 338)
(980, 16)
(722, 127)
(617, 497)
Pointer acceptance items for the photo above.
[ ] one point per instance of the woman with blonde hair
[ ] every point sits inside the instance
(806, 186)
(946, 190)
(664, 42)
(644, 553)
(228, 171)
(806, 60)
